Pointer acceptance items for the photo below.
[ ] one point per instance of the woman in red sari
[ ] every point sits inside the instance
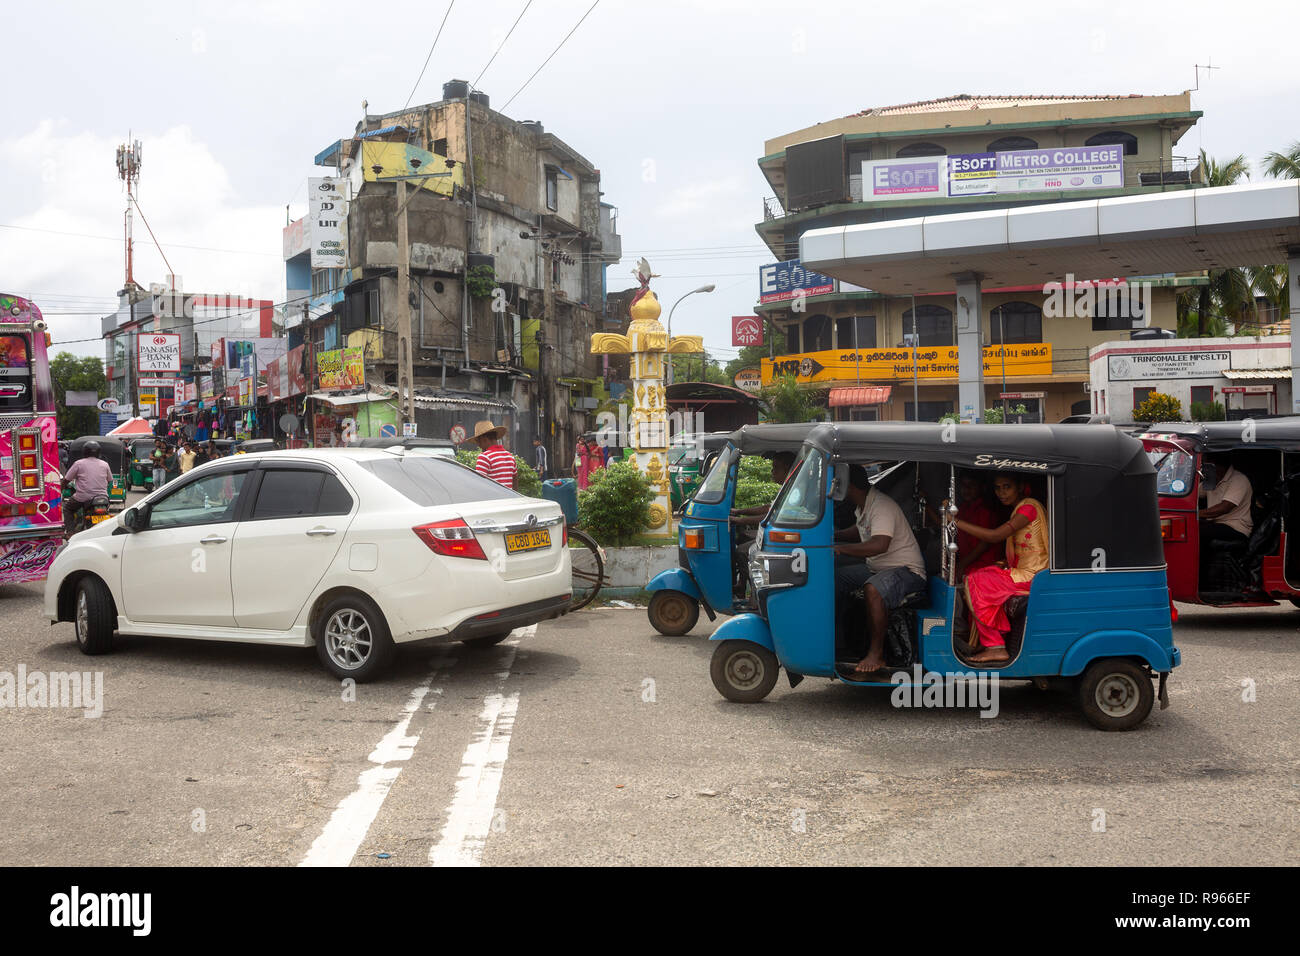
(987, 588)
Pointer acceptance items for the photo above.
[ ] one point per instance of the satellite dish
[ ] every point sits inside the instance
(289, 423)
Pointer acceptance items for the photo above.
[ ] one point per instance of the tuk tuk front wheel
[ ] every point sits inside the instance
(673, 613)
(1115, 694)
(743, 671)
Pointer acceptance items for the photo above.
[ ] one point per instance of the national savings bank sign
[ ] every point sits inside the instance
(781, 281)
(1061, 168)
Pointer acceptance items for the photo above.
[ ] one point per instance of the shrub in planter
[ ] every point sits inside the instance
(1159, 407)
(616, 505)
(527, 481)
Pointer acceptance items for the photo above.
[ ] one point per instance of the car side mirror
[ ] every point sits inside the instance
(128, 518)
(840, 482)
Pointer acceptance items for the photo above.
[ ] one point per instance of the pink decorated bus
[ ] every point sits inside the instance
(31, 520)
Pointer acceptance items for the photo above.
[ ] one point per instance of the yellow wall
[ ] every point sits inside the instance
(395, 158)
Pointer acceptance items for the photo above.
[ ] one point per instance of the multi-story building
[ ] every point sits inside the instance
(953, 155)
(508, 242)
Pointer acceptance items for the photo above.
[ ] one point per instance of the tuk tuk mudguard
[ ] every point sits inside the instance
(1100, 644)
(745, 627)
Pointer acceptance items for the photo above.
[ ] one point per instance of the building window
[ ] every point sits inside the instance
(792, 340)
(817, 333)
(933, 327)
(440, 147)
(922, 149)
(552, 189)
(1015, 323)
(1012, 142)
(930, 411)
(1203, 394)
(855, 332)
(1141, 394)
(1115, 137)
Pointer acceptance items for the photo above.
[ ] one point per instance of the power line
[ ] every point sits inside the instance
(430, 56)
(175, 245)
(503, 42)
(553, 52)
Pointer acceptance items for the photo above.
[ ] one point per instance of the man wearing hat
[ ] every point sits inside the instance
(493, 460)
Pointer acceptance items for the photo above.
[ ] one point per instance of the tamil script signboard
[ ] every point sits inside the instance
(1140, 366)
(159, 352)
(1062, 168)
(841, 365)
(325, 223)
(780, 281)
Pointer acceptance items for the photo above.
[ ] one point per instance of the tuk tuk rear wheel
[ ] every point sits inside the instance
(1115, 694)
(673, 613)
(743, 671)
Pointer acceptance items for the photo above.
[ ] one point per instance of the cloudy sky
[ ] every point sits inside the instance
(671, 100)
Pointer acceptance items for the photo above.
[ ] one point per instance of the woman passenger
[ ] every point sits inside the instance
(988, 588)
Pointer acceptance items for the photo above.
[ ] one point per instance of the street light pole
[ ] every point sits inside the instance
(704, 288)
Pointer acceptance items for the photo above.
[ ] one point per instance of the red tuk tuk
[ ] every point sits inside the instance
(1260, 566)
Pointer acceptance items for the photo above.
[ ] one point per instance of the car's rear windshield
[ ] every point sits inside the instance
(427, 480)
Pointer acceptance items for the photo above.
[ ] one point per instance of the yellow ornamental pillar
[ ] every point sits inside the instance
(647, 344)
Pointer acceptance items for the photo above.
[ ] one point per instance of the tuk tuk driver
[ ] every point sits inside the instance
(1226, 515)
(782, 462)
(891, 565)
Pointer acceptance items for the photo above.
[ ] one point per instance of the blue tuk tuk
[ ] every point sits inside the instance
(1098, 616)
(712, 572)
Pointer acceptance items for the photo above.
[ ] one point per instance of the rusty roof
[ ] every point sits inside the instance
(965, 101)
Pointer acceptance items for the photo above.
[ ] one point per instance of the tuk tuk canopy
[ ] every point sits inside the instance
(1103, 512)
(1281, 434)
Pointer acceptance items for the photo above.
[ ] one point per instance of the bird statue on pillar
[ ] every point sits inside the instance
(647, 426)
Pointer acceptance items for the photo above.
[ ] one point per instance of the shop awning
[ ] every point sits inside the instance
(353, 398)
(1247, 374)
(451, 401)
(860, 395)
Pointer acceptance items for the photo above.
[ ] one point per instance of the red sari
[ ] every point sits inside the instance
(988, 588)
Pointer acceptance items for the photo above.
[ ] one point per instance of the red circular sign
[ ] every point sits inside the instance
(458, 433)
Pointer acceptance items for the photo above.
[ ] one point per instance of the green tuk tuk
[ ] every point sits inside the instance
(140, 466)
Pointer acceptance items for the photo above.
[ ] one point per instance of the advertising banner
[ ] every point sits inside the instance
(152, 382)
(746, 330)
(266, 350)
(750, 379)
(284, 377)
(846, 365)
(779, 281)
(893, 179)
(340, 368)
(158, 352)
(986, 174)
(325, 223)
(245, 391)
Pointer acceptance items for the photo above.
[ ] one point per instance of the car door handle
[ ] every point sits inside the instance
(320, 532)
(212, 539)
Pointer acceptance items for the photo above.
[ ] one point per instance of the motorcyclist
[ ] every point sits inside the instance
(92, 476)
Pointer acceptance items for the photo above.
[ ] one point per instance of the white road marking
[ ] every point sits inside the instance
(469, 817)
(351, 820)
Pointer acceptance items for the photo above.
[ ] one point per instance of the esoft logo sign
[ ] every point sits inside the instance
(75, 909)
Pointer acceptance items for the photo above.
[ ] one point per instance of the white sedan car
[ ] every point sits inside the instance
(356, 550)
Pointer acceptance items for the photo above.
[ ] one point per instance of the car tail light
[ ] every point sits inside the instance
(455, 539)
(1173, 528)
(565, 542)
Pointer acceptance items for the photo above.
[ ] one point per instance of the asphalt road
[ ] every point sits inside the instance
(596, 741)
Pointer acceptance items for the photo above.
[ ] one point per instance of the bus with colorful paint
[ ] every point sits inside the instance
(31, 519)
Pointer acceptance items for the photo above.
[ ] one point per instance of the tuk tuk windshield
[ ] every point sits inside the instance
(800, 500)
(714, 487)
(1174, 468)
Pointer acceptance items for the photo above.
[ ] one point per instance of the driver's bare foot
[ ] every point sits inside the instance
(990, 655)
(870, 664)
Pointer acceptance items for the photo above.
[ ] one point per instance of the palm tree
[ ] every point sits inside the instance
(1284, 165)
(1229, 289)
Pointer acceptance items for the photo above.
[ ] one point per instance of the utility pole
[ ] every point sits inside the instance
(548, 317)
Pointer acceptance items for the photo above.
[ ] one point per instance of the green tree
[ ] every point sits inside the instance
(1229, 290)
(616, 505)
(788, 401)
(73, 374)
(1284, 165)
(1159, 407)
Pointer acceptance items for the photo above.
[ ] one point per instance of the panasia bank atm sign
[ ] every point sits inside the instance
(746, 330)
(159, 352)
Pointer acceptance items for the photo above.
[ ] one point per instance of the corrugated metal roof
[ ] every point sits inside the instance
(1246, 374)
(964, 101)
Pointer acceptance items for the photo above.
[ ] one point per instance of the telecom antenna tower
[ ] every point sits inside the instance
(128, 170)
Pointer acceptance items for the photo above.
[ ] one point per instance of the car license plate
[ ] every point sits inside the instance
(96, 519)
(527, 541)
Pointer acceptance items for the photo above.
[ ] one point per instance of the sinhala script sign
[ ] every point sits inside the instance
(325, 212)
(159, 352)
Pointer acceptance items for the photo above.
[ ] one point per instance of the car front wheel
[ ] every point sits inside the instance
(352, 638)
(94, 617)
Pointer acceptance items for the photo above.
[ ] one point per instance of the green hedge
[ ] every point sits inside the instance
(527, 481)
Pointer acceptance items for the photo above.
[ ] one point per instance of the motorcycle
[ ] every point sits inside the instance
(96, 511)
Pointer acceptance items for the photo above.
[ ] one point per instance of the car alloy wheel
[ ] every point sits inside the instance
(83, 619)
(348, 639)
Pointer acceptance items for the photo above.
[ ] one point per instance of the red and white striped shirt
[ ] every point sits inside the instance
(498, 464)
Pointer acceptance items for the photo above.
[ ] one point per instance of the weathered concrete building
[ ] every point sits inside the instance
(507, 212)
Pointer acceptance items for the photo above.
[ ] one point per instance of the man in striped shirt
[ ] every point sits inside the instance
(493, 461)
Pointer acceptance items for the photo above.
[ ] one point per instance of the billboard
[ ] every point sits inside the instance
(341, 368)
(1059, 168)
(746, 330)
(846, 365)
(325, 219)
(158, 352)
(235, 351)
(284, 376)
(779, 281)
